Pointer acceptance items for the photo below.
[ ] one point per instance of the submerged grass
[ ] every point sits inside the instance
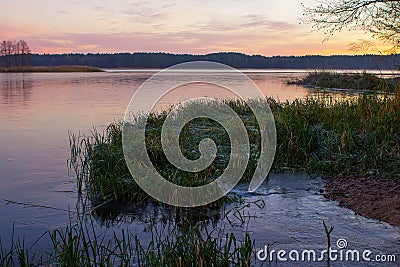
(316, 135)
(356, 81)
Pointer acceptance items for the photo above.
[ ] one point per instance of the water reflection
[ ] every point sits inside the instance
(16, 89)
(111, 215)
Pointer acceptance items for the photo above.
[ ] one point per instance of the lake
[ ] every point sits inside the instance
(38, 109)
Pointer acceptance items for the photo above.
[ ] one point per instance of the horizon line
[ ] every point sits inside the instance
(213, 53)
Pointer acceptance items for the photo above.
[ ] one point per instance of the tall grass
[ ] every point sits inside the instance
(17, 255)
(82, 244)
(316, 135)
(355, 136)
(102, 173)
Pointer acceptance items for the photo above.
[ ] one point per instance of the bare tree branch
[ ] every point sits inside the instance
(381, 18)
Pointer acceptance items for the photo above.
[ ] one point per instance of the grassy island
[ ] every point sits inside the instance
(353, 81)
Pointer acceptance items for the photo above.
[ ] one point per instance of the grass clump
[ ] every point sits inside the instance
(355, 81)
(51, 69)
(99, 162)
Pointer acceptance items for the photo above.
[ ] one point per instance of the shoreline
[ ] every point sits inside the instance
(371, 197)
(39, 69)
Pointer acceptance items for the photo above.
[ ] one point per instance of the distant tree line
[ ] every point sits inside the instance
(15, 53)
(236, 60)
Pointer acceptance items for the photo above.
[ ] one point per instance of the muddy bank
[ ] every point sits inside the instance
(372, 197)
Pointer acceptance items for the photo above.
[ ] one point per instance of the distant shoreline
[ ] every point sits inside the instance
(236, 60)
(36, 69)
(76, 68)
(269, 70)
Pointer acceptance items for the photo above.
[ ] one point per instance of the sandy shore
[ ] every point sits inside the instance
(372, 197)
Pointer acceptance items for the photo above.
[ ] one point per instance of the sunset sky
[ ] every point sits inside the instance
(267, 27)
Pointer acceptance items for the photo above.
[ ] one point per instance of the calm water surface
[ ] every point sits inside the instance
(38, 110)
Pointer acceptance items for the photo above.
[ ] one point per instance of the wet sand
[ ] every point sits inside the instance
(372, 197)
